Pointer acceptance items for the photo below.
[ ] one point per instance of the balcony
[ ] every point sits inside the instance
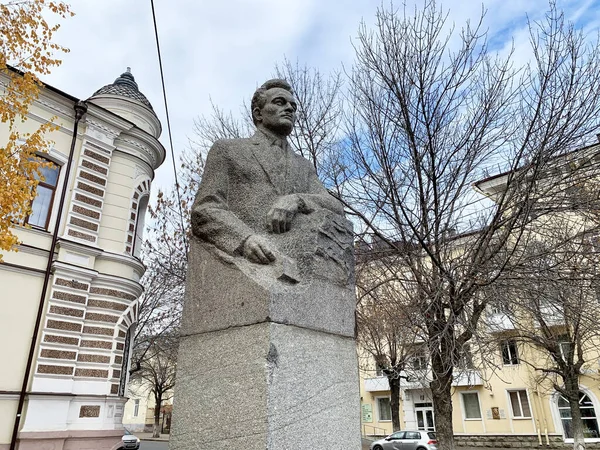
(415, 381)
(552, 315)
(500, 322)
(468, 377)
(377, 384)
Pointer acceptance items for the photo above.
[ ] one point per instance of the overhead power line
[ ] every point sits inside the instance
(164, 90)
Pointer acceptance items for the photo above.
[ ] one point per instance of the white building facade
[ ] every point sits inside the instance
(75, 373)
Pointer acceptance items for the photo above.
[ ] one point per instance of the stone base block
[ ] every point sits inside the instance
(220, 295)
(267, 386)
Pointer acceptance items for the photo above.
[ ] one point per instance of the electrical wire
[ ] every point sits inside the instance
(162, 79)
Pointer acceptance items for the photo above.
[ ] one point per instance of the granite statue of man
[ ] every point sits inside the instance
(253, 189)
(267, 357)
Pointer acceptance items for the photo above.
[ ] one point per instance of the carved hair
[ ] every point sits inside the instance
(259, 99)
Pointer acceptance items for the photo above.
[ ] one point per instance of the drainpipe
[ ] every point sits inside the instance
(80, 109)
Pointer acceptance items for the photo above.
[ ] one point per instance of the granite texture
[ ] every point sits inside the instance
(221, 391)
(254, 294)
(267, 357)
(266, 386)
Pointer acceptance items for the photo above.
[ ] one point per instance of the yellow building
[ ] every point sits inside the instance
(503, 406)
(139, 410)
(70, 294)
(504, 403)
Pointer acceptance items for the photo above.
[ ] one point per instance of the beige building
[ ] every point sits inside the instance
(70, 294)
(138, 415)
(505, 401)
(503, 406)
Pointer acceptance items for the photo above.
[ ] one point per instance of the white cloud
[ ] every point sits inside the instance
(224, 49)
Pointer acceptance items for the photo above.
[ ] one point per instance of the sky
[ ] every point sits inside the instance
(222, 50)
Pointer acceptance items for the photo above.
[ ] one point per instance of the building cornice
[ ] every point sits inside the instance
(122, 259)
(74, 270)
(79, 247)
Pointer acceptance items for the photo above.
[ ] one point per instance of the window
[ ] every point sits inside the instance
(519, 404)
(465, 360)
(379, 370)
(398, 435)
(384, 408)
(588, 415)
(140, 225)
(565, 348)
(510, 356)
(471, 405)
(136, 407)
(42, 204)
(419, 362)
(412, 435)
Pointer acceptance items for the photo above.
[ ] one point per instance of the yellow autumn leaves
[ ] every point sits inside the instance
(26, 44)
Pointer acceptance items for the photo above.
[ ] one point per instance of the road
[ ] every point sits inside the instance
(154, 445)
(164, 445)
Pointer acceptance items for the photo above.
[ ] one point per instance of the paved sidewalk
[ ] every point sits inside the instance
(148, 437)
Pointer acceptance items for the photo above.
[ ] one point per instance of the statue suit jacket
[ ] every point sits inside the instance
(241, 181)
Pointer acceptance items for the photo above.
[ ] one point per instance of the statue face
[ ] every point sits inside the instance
(279, 113)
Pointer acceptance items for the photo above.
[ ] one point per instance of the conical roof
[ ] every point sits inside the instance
(124, 86)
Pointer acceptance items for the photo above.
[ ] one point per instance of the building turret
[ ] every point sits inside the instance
(124, 98)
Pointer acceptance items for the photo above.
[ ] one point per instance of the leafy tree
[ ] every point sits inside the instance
(26, 52)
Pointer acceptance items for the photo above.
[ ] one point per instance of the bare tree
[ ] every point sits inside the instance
(316, 134)
(157, 371)
(554, 300)
(427, 120)
(385, 331)
(165, 256)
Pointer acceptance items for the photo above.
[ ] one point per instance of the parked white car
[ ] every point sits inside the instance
(130, 441)
(407, 440)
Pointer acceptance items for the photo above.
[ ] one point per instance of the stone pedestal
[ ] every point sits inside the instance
(267, 359)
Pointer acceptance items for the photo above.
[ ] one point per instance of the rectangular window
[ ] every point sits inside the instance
(42, 204)
(510, 356)
(471, 405)
(520, 404)
(136, 407)
(565, 350)
(384, 408)
(419, 362)
(465, 360)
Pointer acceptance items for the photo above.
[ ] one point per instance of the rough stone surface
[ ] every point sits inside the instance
(267, 359)
(249, 293)
(266, 386)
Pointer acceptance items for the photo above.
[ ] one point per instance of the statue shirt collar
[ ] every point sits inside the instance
(266, 136)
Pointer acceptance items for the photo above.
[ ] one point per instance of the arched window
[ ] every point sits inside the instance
(139, 225)
(125, 363)
(588, 414)
(137, 219)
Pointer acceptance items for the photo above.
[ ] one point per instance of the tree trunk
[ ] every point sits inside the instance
(394, 382)
(441, 390)
(156, 427)
(572, 388)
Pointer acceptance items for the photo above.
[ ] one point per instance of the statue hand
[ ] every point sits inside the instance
(281, 214)
(258, 250)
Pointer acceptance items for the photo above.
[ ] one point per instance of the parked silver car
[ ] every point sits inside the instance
(407, 440)
(129, 441)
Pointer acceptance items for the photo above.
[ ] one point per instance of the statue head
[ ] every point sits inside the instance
(274, 107)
